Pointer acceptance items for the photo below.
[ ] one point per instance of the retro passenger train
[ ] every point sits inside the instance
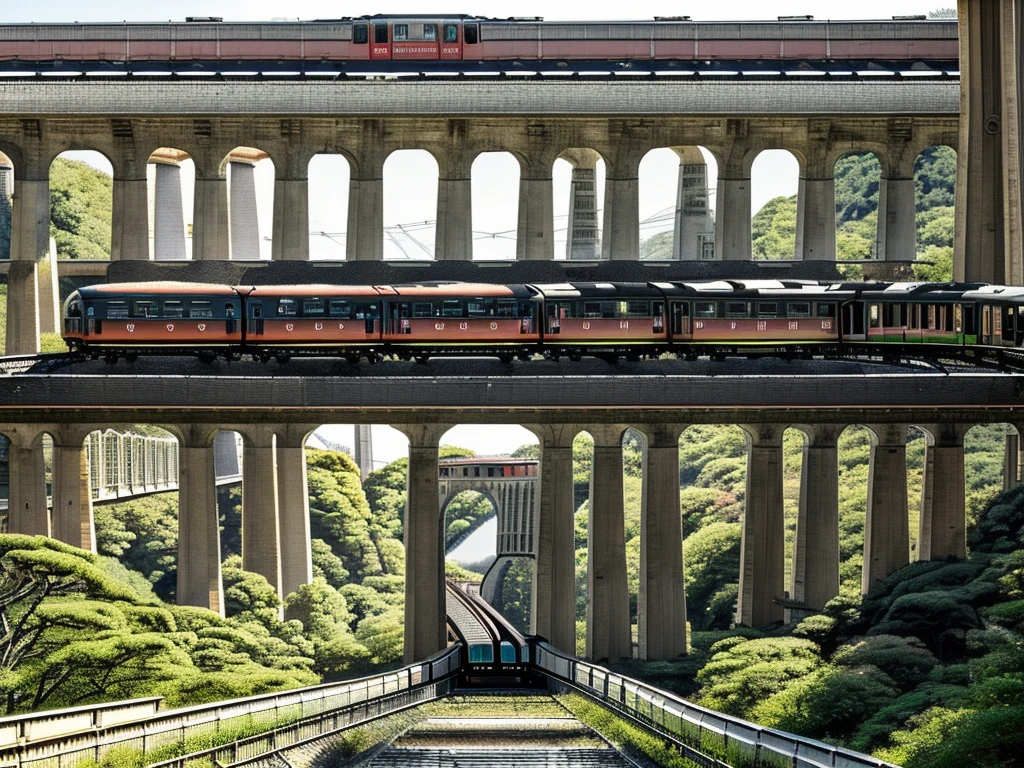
(558, 319)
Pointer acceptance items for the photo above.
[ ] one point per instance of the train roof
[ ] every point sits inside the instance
(918, 290)
(267, 291)
(159, 288)
(996, 294)
(597, 290)
(440, 290)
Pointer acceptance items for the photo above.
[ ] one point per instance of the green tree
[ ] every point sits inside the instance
(773, 229)
(80, 210)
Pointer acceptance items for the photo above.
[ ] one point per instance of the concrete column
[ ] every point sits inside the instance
(210, 219)
(816, 220)
(732, 219)
(30, 243)
(168, 213)
(290, 237)
(365, 239)
(581, 240)
(27, 510)
(199, 573)
(621, 237)
(816, 547)
(424, 545)
(72, 500)
(897, 234)
(243, 216)
(261, 530)
(535, 235)
(763, 546)
(293, 503)
(661, 602)
(886, 532)
(609, 635)
(1011, 459)
(553, 604)
(988, 242)
(942, 526)
(51, 318)
(363, 450)
(6, 190)
(129, 234)
(454, 241)
(693, 222)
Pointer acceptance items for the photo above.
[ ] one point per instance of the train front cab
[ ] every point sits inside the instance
(417, 39)
(998, 312)
(931, 314)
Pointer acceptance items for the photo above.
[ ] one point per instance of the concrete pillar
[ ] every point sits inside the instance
(293, 503)
(942, 526)
(661, 601)
(609, 635)
(424, 545)
(621, 238)
(1011, 459)
(363, 450)
(763, 546)
(535, 235)
(553, 605)
(72, 500)
(27, 510)
(693, 224)
(210, 219)
(6, 190)
(199, 573)
(30, 243)
(816, 545)
(886, 532)
(581, 240)
(261, 529)
(129, 234)
(988, 242)
(816, 219)
(290, 237)
(365, 239)
(732, 219)
(243, 216)
(50, 310)
(454, 241)
(897, 233)
(168, 213)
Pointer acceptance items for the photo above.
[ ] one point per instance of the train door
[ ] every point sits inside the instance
(853, 320)
(986, 324)
(471, 48)
(557, 312)
(229, 318)
(381, 48)
(451, 40)
(680, 318)
(255, 316)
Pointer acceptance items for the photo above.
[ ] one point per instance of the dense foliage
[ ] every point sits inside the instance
(80, 210)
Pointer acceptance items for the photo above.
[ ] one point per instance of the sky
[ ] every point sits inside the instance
(410, 195)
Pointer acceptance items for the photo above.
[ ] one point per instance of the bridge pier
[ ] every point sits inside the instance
(199, 571)
(816, 219)
(168, 212)
(364, 241)
(621, 237)
(243, 215)
(581, 240)
(293, 505)
(1011, 458)
(942, 526)
(897, 233)
(454, 237)
(27, 510)
(886, 532)
(210, 219)
(816, 546)
(763, 546)
(535, 232)
(692, 215)
(291, 209)
(129, 236)
(72, 500)
(732, 218)
(261, 528)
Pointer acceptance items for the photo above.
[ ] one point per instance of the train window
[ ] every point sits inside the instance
(423, 309)
(736, 309)
(200, 309)
(312, 306)
(471, 34)
(451, 308)
(638, 309)
(508, 653)
(451, 33)
(875, 316)
(798, 309)
(380, 33)
(284, 307)
(914, 321)
(173, 309)
(340, 308)
(480, 307)
(117, 309)
(367, 311)
(826, 309)
(401, 32)
(767, 309)
(481, 654)
(592, 309)
(145, 309)
(958, 318)
(360, 35)
(506, 308)
(704, 309)
(429, 32)
(931, 317)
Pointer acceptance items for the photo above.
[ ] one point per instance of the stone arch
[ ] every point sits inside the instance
(329, 175)
(170, 178)
(410, 233)
(774, 222)
(935, 178)
(248, 173)
(857, 221)
(6, 207)
(583, 181)
(689, 213)
(495, 212)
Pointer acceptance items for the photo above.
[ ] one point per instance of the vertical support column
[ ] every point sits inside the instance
(199, 573)
(129, 234)
(887, 530)
(732, 219)
(896, 225)
(50, 310)
(6, 190)
(30, 243)
(553, 604)
(424, 545)
(261, 528)
(243, 216)
(581, 240)
(816, 219)
(621, 237)
(363, 450)
(609, 633)
(661, 602)
(942, 526)
(168, 212)
(72, 500)
(535, 235)
(816, 549)
(293, 506)
(454, 240)
(763, 546)
(210, 217)
(27, 509)
(365, 240)
(693, 224)
(290, 239)
(1011, 459)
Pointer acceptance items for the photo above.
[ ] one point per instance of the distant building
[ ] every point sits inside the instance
(6, 190)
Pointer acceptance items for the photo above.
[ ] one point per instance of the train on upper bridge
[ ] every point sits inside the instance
(601, 319)
(472, 44)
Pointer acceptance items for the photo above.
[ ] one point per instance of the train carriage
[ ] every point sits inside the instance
(997, 315)
(918, 313)
(611, 316)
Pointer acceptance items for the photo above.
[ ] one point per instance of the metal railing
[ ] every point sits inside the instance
(708, 737)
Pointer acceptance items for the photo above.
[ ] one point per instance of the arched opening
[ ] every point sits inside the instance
(328, 179)
(577, 179)
(495, 206)
(171, 180)
(250, 175)
(471, 531)
(6, 193)
(992, 463)
(857, 178)
(410, 205)
(677, 190)
(935, 191)
(774, 185)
